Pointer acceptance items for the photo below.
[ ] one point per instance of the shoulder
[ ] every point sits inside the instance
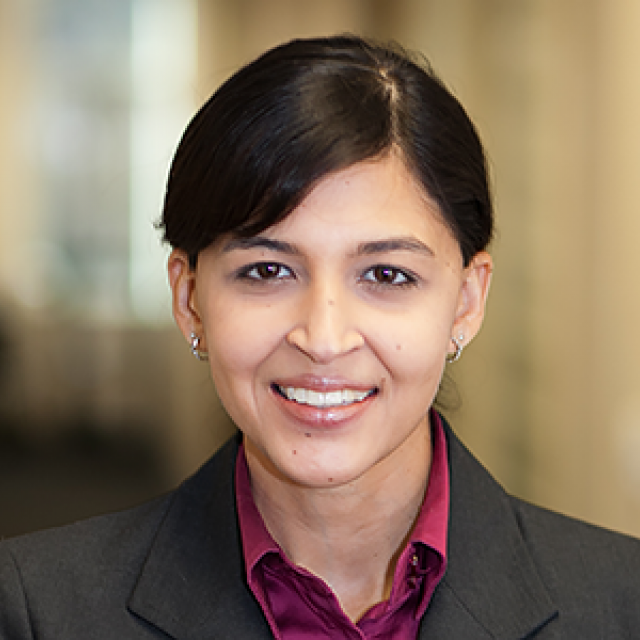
(64, 581)
(507, 556)
(119, 538)
(89, 543)
(476, 497)
(79, 567)
(573, 555)
(591, 574)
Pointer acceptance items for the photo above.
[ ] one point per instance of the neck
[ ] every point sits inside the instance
(350, 535)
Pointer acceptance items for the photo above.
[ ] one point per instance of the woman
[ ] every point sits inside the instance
(329, 214)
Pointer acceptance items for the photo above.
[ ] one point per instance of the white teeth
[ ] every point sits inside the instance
(318, 399)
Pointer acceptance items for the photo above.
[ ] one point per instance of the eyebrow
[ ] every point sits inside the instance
(394, 244)
(258, 242)
(372, 247)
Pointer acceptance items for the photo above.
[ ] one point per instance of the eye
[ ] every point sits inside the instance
(266, 271)
(386, 275)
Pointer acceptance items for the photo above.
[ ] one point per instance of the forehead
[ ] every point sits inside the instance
(376, 198)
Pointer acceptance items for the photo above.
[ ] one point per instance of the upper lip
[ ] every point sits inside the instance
(322, 384)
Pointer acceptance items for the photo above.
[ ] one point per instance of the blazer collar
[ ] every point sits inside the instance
(177, 591)
(492, 588)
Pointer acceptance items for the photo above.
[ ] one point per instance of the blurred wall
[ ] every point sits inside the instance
(549, 390)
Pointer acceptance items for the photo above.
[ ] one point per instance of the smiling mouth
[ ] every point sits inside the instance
(323, 400)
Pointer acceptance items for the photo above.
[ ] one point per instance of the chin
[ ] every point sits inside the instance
(308, 472)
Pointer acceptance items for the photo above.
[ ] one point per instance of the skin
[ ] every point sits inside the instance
(361, 287)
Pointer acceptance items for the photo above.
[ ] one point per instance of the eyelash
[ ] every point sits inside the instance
(251, 272)
(408, 279)
(372, 276)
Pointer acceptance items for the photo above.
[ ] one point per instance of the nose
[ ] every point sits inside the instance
(326, 325)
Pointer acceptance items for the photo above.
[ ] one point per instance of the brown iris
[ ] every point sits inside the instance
(385, 275)
(268, 270)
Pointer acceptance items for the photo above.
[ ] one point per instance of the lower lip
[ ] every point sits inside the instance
(329, 417)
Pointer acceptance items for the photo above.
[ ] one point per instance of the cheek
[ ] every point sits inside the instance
(420, 356)
(239, 339)
(416, 348)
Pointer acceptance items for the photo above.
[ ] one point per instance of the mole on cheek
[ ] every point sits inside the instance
(307, 435)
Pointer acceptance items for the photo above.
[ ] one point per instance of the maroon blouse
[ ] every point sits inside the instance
(300, 606)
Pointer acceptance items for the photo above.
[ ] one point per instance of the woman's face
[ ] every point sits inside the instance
(327, 333)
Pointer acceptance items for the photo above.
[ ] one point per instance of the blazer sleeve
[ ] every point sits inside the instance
(14, 614)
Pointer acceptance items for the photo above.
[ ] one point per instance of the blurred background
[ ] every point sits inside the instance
(101, 404)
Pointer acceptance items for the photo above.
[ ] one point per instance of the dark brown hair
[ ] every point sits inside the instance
(312, 107)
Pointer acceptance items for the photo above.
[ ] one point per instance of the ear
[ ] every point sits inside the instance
(473, 297)
(182, 279)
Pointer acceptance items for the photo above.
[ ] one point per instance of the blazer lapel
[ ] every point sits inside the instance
(191, 585)
(491, 588)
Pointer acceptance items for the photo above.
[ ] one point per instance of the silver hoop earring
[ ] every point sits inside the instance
(457, 342)
(195, 348)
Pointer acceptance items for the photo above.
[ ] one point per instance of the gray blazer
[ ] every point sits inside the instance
(173, 568)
